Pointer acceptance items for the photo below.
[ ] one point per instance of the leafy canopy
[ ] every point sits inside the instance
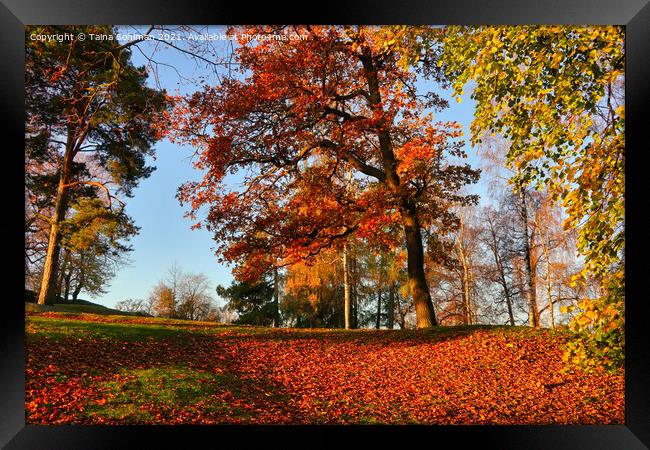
(556, 94)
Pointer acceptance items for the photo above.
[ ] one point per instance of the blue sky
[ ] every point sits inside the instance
(165, 236)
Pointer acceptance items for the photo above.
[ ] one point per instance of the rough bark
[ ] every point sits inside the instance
(47, 294)
(425, 316)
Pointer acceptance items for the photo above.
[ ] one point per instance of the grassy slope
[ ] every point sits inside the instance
(85, 368)
(87, 307)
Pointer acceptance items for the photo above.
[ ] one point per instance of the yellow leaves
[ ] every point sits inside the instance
(575, 279)
(555, 61)
(567, 309)
(620, 111)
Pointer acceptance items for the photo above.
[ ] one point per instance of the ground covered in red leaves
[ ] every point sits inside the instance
(91, 369)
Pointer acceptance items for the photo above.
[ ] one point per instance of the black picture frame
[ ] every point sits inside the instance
(634, 14)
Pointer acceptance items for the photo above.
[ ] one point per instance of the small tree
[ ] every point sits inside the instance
(253, 302)
(182, 295)
(194, 300)
(138, 306)
(162, 301)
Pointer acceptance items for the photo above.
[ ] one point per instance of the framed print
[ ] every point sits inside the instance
(382, 219)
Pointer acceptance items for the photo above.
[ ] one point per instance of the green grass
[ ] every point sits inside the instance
(75, 308)
(88, 309)
(79, 324)
(57, 328)
(163, 388)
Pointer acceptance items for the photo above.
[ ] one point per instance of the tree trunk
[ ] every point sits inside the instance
(276, 298)
(506, 289)
(66, 290)
(534, 260)
(77, 290)
(465, 274)
(501, 271)
(545, 247)
(354, 293)
(66, 295)
(533, 314)
(61, 277)
(81, 280)
(390, 307)
(400, 316)
(347, 307)
(378, 318)
(47, 293)
(472, 294)
(425, 315)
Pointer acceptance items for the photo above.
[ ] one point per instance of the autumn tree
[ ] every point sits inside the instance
(94, 245)
(316, 289)
(85, 98)
(182, 295)
(39, 192)
(526, 237)
(556, 93)
(555, 246)
(521, 251)
(162, 301)
(304, 112)
(465, 248)
(372, 279)
(395, 277)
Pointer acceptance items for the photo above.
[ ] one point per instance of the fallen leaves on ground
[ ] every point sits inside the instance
(450, 376)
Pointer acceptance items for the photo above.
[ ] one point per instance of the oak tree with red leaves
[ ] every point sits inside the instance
(311, 105)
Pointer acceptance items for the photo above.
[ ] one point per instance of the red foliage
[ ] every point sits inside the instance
(328, 135)
(304, 377)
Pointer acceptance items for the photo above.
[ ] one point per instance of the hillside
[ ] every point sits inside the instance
(91, 369)
(76, 306)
